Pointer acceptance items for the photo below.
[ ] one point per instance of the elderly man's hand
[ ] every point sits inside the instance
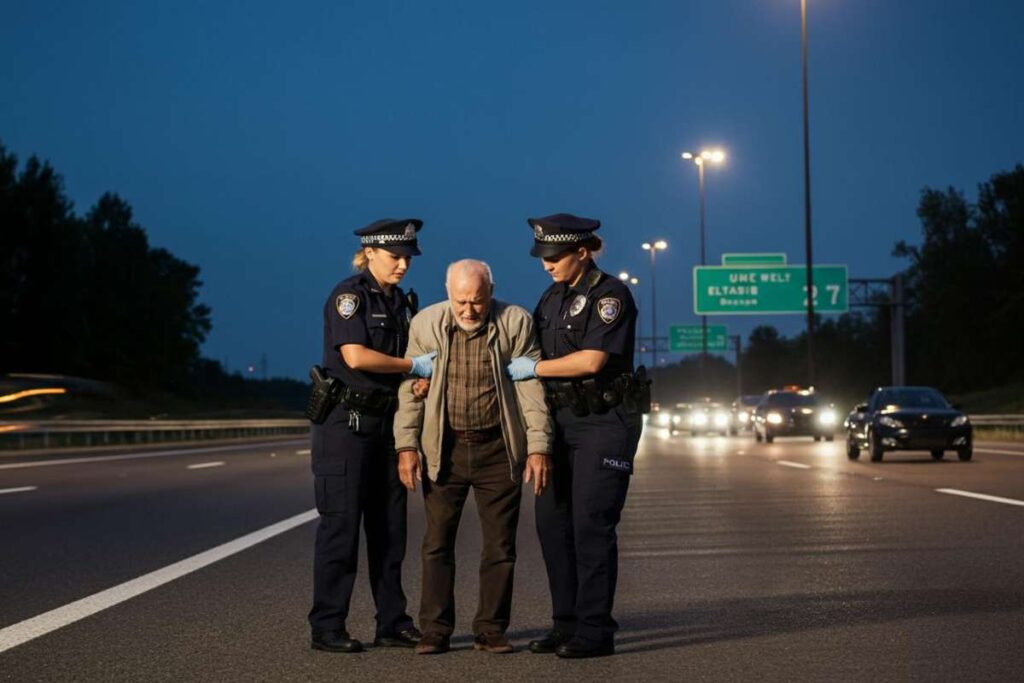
(420, 388)
(538, 469)
(409, 468)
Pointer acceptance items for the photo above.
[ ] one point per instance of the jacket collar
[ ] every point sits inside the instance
(591, 276)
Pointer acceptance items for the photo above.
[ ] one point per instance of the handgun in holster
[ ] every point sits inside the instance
(642, 390)
(323, 396)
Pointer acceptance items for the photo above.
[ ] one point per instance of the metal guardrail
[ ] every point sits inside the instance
(17, 434)
(997, 420)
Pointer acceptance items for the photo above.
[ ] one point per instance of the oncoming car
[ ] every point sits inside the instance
(908, 419)
(794, 412)
(668, 419)
(707, 417)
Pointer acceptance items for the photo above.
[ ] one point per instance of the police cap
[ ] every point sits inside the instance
(395, 235)
(561, 231)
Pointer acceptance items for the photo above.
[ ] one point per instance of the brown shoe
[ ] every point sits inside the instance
(492, 642)
(432, 644)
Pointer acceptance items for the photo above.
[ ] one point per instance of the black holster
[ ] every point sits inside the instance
(323, 395)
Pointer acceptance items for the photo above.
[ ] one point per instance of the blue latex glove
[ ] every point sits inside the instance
(423, 366)
(522, 368)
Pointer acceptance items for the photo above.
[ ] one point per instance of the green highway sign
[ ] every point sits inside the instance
(687, 338)
(739, 290)
(753, 259)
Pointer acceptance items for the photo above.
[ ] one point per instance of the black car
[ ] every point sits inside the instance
(793, 412)
(908, 419)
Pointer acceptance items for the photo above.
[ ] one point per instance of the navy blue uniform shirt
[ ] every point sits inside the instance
(359, 312)
(597, 314)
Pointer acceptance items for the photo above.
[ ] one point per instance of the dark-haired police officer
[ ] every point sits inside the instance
(355, 468)
(586, 322)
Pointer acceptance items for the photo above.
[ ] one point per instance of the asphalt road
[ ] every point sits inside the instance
(740, 561)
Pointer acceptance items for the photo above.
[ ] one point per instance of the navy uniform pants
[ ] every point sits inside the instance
(577, 516)
(356, 480)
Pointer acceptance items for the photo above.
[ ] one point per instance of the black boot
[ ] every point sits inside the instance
(407, 638)
(550, 642)
(581, 648)
(335, 641)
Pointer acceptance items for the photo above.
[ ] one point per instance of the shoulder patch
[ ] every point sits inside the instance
(609, 309)
(347, 305)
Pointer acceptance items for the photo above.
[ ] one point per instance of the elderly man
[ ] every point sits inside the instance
(475, 428)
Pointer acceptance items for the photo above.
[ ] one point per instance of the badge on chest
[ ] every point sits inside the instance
(577, 306)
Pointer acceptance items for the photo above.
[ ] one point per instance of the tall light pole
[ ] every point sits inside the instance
(633, 281)
(809, 255)
(654, 248)
(714, 156)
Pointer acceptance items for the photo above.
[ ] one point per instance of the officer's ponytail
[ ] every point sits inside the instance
(360, 261)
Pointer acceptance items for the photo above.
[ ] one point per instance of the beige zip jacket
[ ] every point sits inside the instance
(525, 420)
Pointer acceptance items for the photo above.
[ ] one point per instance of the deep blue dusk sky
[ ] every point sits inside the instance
(251, 138)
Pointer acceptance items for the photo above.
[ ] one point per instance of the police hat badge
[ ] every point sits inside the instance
(609, 309)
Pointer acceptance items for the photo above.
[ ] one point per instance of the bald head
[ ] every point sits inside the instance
(470, 288)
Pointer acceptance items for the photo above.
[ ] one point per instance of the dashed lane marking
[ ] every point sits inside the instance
(305, 452)
(40, 625)
(205, 465)
(982, 496)
(798, 465)
(18, 489)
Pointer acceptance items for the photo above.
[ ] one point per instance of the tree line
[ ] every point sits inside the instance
(964, 285)
(89, 296)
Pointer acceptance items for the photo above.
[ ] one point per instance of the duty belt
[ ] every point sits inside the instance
(369, 401)
(588, 396)
(328, 392)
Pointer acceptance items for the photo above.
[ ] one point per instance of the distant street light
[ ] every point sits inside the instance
(654, 248)
(713, 156)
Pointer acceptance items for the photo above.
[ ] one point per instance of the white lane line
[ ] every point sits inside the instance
(40, 625)
(204, 465)
(129, 456)
(993, 450)
(982, 496)
(19, 489)
(306, 452)
(798, 465)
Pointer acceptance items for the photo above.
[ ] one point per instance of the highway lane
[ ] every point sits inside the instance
(734, 566)
(87, 521)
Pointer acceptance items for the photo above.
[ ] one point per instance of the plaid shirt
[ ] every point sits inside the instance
(471, 393)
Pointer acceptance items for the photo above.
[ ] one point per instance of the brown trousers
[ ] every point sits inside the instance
(484, 467)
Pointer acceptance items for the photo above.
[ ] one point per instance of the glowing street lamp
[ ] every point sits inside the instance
(654, 248)
(704, 157)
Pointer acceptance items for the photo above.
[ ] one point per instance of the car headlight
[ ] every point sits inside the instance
(742, 417)
(664, 419)
(959, 421)
(700, 419)
(721, 419)
(676, 419)
(774, 418)
(827, 417)
(887, 421)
